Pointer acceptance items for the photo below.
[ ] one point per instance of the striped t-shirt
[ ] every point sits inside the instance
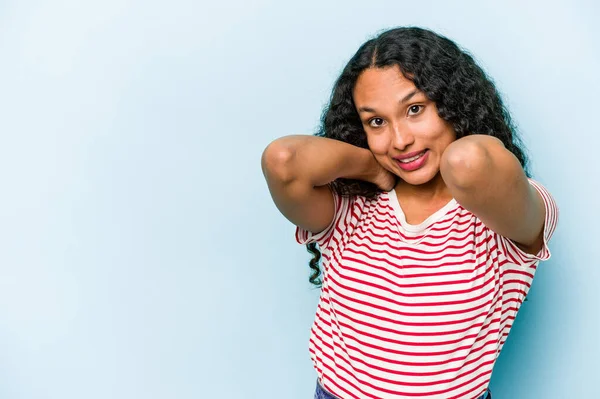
(415, 311)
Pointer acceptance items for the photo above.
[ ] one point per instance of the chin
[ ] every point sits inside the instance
(418, 177)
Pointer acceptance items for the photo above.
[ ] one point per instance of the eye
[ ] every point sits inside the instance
(375, 119)
(414, 109)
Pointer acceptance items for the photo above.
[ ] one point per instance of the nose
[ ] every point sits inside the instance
(403, 137)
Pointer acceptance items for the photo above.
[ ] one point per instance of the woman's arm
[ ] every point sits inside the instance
(299, 167)
(488, 180)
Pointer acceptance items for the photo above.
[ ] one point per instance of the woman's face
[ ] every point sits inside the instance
(400, 120)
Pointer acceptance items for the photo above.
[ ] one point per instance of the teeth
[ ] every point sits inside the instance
(407, 160)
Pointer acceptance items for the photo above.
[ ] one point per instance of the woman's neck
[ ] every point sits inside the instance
(432, 191)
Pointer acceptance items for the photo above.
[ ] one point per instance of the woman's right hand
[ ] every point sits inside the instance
(383, 178)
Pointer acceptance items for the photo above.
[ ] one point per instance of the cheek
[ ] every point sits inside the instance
(432, 128)
(441, 133)
(448, 135)
(378, 144)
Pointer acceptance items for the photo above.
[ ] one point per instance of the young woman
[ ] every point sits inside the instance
(416, 192)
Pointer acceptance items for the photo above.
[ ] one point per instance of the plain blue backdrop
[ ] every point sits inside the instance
(141, 255)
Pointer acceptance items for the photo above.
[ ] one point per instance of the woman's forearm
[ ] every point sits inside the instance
(320, 160)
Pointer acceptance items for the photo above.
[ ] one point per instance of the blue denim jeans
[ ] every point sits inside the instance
(321, 393)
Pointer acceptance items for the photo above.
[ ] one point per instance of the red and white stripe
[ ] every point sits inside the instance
(415, 311)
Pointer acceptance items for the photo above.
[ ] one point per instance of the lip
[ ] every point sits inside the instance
(414, 165)
(409, 155)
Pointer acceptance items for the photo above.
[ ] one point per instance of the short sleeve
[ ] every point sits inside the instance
(516, 254)
(342, 205)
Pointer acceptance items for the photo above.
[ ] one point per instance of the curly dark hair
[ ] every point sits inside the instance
(448, 75)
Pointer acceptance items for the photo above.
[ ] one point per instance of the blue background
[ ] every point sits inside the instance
(141, 255)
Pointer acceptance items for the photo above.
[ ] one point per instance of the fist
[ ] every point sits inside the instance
(384, 179)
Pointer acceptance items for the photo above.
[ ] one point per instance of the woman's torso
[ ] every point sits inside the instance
(409, 310)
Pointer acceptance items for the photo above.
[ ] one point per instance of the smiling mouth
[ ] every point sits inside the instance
(408, 160)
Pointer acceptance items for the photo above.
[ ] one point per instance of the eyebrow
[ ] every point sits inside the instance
(405, 99)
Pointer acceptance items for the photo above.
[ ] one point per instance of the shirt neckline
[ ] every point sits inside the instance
(418, 228)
